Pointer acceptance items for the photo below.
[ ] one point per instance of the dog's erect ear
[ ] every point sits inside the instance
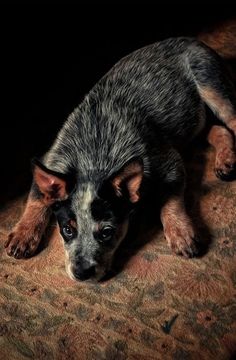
(51, 184)
(129, 178)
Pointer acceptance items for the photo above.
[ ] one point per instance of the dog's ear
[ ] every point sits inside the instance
(129, 179)
(52, 185)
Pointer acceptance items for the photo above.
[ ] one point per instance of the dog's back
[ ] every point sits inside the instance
(149, 94)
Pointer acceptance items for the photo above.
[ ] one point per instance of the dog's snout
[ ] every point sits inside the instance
(84, 274)
(84, 270)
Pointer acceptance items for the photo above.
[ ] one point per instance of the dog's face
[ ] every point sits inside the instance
(93, 221)
(92, 229)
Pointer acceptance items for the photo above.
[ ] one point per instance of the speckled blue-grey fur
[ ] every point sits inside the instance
(150, 90)
(146, 107)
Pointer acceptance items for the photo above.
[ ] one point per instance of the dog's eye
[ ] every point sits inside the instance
(56, 206)
(106, 233)
(68, 231)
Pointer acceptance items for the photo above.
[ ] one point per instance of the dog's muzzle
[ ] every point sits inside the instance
(83, 269)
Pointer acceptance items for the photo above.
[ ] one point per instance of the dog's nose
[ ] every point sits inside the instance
(84, 271)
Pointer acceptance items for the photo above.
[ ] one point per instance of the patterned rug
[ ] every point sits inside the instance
(156, 306)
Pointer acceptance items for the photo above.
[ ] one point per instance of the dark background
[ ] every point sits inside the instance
(51, 55)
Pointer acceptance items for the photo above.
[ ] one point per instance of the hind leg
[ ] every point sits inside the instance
(223, 142)
(221, 102)
(222, 138)
(217, 91)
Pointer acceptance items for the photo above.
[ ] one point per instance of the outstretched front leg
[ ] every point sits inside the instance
(48, 187)
(178, 228)
(25, 237)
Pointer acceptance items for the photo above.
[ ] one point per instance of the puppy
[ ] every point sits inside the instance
(125, 136)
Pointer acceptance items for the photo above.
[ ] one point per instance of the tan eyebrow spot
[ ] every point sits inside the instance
(73, 224)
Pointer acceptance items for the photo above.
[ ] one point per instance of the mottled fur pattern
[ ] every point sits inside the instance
(128, 132)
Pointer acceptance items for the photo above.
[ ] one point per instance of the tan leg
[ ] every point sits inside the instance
(222, 106)
(25, 237)
(223, 142)
(231, 124)
(178, 228)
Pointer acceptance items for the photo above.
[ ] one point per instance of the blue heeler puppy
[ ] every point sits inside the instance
(125, 136)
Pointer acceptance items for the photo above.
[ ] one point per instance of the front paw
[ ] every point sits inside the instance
(22, 243)
(182, 239)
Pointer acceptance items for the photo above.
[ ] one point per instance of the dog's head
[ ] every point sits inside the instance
(93, 219)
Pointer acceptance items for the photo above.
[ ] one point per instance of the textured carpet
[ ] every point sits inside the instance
(157, 306)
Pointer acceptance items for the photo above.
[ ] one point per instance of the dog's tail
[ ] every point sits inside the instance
(222, 39)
